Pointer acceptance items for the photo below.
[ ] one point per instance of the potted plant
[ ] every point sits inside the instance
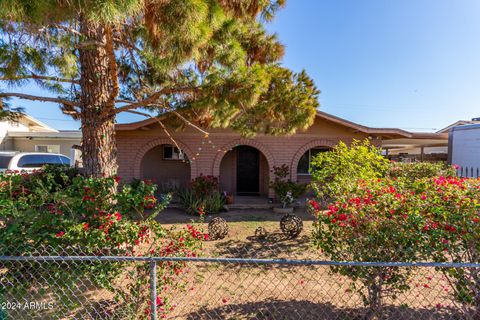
(286, 201)
(286, 191)
(228, 197)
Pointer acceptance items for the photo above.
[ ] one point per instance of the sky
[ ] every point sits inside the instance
(411, 64)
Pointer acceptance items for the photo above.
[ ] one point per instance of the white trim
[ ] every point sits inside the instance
(50, 135)
(38, 123)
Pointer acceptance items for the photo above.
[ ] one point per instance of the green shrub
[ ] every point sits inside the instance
(198, 205)
(202, 197)
(337, 171)
(410, 172)
(285, 189)
(58, 210)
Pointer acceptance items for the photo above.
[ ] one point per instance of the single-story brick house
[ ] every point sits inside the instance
(242, 165)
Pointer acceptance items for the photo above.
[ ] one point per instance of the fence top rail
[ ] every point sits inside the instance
(243, 261)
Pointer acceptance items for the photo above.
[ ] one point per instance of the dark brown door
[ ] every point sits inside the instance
(248, 168)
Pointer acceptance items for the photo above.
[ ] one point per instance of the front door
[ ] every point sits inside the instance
(248, 168)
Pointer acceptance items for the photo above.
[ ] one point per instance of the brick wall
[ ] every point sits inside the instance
(206, 153)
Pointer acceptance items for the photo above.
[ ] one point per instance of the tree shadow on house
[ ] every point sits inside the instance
(306, 310)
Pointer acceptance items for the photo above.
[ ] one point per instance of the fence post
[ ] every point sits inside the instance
(153, 290)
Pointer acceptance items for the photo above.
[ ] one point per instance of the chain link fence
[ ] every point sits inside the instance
(67, 284)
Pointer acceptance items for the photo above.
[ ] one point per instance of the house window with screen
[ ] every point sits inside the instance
(304, 165)
(50, 148)
(172, 153)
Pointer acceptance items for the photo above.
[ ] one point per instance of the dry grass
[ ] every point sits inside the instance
(233, 291)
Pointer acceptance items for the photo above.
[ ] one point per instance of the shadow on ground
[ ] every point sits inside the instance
(306, 310)
(176, 215)
(273, 245)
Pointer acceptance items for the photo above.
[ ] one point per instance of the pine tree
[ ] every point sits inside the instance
(210, 62)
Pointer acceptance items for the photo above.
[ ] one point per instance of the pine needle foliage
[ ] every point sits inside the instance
(212, 60)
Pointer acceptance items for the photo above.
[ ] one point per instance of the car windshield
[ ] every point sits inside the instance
(39, 160)
(4, 161)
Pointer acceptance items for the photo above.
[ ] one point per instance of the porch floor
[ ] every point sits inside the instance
(250, 202)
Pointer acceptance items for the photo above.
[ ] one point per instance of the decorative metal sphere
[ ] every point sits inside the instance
(260, 233)
(217, 228)
(291, 225)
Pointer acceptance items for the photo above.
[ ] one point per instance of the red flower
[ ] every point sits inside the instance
(85, 226)
(118, 216)
(61, 233)
(315, 205)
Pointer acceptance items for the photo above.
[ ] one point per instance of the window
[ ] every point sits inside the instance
(172, 153)
(304, 165)
(4, 161)
(52, 148)
(39, 160)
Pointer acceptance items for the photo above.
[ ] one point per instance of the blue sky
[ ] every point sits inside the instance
(413, 64)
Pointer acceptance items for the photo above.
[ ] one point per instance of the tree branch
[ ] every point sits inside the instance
(190, 123)
(153, 98)
(37, 77)
(37, 98)
(161, 124)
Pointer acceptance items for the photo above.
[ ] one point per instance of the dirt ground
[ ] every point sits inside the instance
(252, 291)
(241, 240)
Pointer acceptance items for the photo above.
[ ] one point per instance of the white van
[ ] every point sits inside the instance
(30, 161)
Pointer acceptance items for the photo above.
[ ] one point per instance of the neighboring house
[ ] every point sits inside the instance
(459, 123)
(464, 149)
(243, 166)
(31, 135)
(424, 149)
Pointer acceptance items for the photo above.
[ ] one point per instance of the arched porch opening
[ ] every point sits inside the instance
(167, 166)
(244, 171)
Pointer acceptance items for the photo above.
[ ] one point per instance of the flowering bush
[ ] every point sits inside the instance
(203, 196)
(204, 185)
(449, 211)
(372, 222)
(413, 171)
(59, 209)
(285, 189)
(399, 220)
(337, 171)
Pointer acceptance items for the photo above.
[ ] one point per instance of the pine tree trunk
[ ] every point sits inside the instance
(99, 88)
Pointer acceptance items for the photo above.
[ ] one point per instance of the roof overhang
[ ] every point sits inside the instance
(67, 135)
(383, 133)
(37, 125)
